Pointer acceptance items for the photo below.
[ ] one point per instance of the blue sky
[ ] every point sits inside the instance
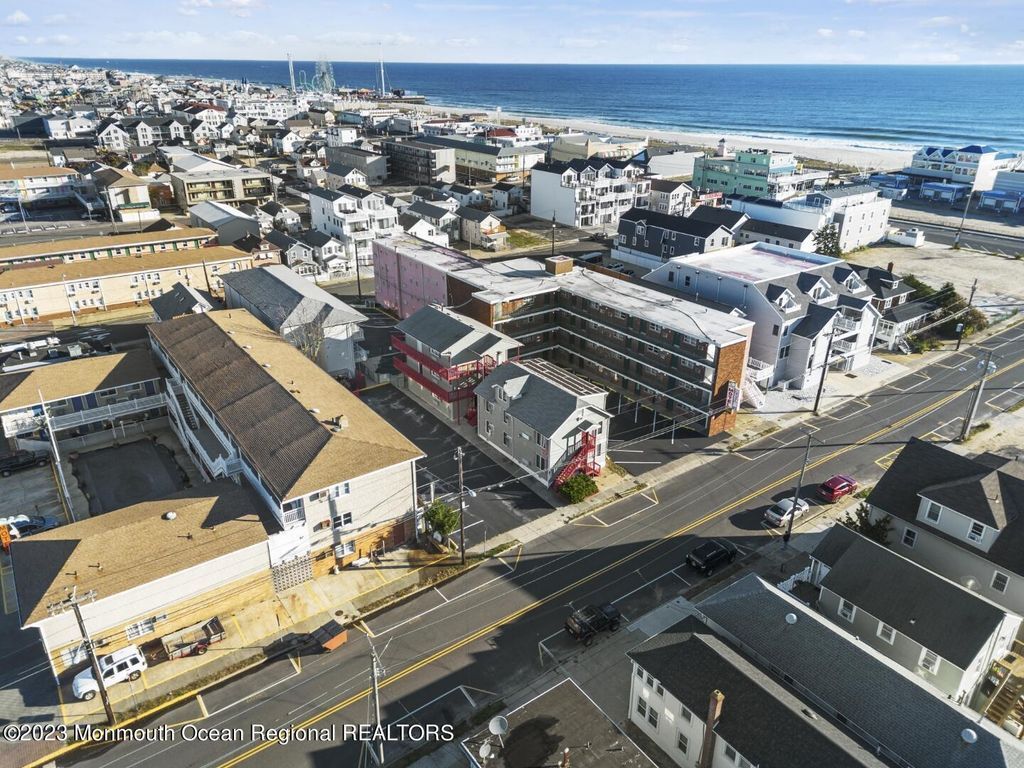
(551, 31)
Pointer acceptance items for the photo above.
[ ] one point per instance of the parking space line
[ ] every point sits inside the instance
(366, 629)
(857, 400)
(7, 583)
(1017, 396)
(886, 461)
(964, 359)
(239, 628)
(442, 596)
(923, 378)
(583, 522)
(296, 661)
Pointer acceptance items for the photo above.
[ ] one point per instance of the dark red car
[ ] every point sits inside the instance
(836, 487)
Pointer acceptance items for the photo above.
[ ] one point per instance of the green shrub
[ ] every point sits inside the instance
(578, 487)
(442, 517)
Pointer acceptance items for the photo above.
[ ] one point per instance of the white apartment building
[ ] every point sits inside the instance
(975, 165)
(674, 198)
(245, 403)
(270, 109)
(340, 135)
(806, 308)
(354, 216)
(588, 193)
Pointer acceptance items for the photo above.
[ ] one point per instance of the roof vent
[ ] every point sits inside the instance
(314, 410)
(247, 346)
(809, 713)
(968, 735)
(791, 618)
(170, 515)
(266, 365)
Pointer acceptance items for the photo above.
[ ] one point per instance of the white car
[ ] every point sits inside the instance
(125, 664)
(778, 514)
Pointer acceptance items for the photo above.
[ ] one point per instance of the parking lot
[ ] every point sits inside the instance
(640, 440)
(507, 502)
(123, 475)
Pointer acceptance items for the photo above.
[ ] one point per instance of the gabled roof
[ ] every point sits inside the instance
(425, 209)
(933, 611)
(277, 404)
(765, 722)
(988, 488)
(180, 300)
(683, 225)
(870, 692)
(668, 185)
(542, 395)
(283, 240)
(814, 322)
(454, 335)
(286, 299)
(781, 231)
(474, 214)
(725, 217)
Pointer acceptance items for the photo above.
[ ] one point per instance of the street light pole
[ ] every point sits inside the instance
(796, 493)
(462, 509)
(972, 409)
(553, 234)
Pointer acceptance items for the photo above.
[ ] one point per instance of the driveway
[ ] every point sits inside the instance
(494, 510)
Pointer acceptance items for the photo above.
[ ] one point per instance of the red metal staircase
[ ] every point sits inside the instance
(583, 459)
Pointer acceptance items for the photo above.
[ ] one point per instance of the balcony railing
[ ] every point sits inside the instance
(447, 395)
(758, 370)
(107, 412)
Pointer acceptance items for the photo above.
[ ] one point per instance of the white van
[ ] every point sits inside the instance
(125, 664)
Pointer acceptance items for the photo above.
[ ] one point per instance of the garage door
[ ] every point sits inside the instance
(292, 573)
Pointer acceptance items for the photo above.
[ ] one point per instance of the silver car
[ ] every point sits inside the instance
(778, 514)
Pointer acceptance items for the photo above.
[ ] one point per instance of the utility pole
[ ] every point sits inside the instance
(796, 494)
(972, 409)
(824, 370)
(552, 234)
(73, 601)
(963, 219)
(961, 327)
(462, 509)
(375, 670)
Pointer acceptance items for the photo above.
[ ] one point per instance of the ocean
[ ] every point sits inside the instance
(899, 106)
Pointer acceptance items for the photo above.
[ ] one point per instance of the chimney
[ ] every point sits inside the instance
(707, 747)
(722, 147)
(558, 265)
(889, 267)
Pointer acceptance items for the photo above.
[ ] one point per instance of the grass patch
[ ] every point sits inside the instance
(978, 428)
(518, 238)
(615, 469)
(864, 492)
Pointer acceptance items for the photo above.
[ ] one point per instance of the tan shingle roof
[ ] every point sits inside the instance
(7, 173)
(26, 277)
(75, 245)
(265, 392)
(119, 550)
(75, 377)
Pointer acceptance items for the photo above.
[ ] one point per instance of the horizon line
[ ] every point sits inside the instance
(549, 63)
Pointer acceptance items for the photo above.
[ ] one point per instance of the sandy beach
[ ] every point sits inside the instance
(828, 150)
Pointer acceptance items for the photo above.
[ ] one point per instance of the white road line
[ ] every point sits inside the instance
(442, 596)
(638, 462)
(625, 450)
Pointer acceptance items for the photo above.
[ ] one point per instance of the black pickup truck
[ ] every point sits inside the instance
(585, 623)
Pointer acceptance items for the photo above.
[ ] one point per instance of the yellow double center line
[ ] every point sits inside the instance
(484, 631)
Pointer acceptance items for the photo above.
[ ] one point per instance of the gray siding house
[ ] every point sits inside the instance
(960, 517)
(317, 323)
(946, 635)
(537, 414)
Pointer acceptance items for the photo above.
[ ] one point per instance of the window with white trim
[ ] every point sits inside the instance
(929, 661)
(909, 537)
(345, 518)
(976, 532)
(1000, 581)
(682, 743)
(684, 713)
(933, 512)
(886, 632)
(641, 706)
(847, 609)
(652, 717)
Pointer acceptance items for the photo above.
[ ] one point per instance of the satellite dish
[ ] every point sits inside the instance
(969, 736)
(791, 618)
(485, 750)
(498, 725)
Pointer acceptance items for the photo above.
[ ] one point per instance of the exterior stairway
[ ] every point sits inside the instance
(752, 394)
(186, 410)
(583, 459)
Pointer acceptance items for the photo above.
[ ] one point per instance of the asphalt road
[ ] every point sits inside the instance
(481, 631)
(978, 241)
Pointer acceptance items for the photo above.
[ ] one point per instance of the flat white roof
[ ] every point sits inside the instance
(756, 262)
(507, 280)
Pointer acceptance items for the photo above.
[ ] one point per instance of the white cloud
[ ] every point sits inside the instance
(22, 40)
(857, 34)
(191, 7)
(247, 37)
(462, 42)
(16, 19)
(672, 47)
(49, 40)
(1017, 45)
(241, 7)
(580, 42)
(150, 38)
(940, 21)
(364, 39)
(57, 18)
(826, 32)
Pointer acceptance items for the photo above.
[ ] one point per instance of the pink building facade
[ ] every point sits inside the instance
(404, 284)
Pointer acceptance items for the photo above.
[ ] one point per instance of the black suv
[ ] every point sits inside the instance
(19, 460)
(710, 555)
(585, 623)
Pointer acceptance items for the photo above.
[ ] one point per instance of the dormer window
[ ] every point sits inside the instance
(932, 512)
(976, 532)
